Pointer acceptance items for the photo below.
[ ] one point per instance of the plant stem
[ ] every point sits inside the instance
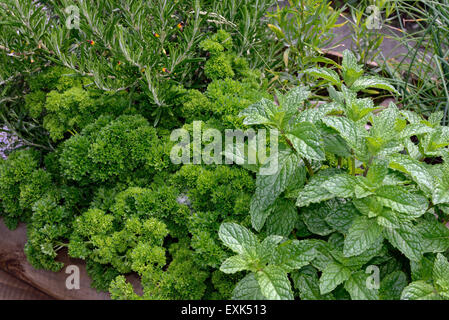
(353, 165)
(309, 167)
(367, 166)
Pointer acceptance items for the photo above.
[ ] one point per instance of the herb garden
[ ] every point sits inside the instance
(120, 122)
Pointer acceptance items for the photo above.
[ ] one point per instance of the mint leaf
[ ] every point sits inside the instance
(372, 82)
(341, 185)
(306, 140)
(237, 238)
(417, 171)
(351, 69)
(415, 129)
(441, 190)
(377, 173)
(422, 269)
(274, 283)
(400, 199)
(314, 217)
(342, 217)
(333, 275)
(363, 233)
(441, 272)
(307, 283)
(333, 143)
(435, 236)
(392, 285)
(234, 264)
(295, 254)
(283, 218)
(369, 206)
(293, 100)
(349, 131)
(358, 289)
(325, 73)
(270, 186)
(248, 289)
(406, 239)
(420, 290)
(262, 112)
(314, 192)
(389, 219)
(267, 248)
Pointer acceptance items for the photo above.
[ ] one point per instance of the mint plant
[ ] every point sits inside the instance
(439, 289)
(269, 262)
(371, 182)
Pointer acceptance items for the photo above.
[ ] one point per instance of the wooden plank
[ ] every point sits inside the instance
(13, 289)
(53, 284)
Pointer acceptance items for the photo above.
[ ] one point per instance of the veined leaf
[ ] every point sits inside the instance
(262, 112)
(349, 131)
(351, 69)
(306, 140)
(372, 82)
(325, 73)
(248, 289)
(314, 192)
(363, 233)
(435, 236)
(234, 264)
(420, 290)
(341, 185)
(315, 215)
(417, 171)
(283, 218)
(392, 285)
(422, 269)
(274, 283)
(267, 248)
(400, 199)
(441, 272)
(369, 206)
(358, 289)
(333, 275)
(237, 238)
(406, 239)
(293, 100)
(342, 217)
(415, 129)
(295, 254)
(270, 186)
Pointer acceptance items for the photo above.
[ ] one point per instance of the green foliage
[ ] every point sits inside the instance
(438, 289)
(221, 103)
(21, 183)
(117, 50)
(304, 28)
(357, 188)
(268, 261)
(217, 195)
(66, 103)
(384, 203)
(50, 225)
(112, 149)
(177, 282)
(220, 63)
